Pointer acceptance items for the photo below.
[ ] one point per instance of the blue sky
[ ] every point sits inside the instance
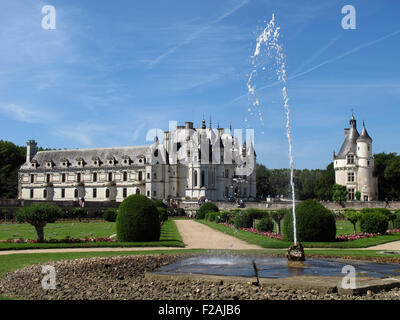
(114, 69)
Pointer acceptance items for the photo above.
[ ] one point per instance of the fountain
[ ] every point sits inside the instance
(293, 270)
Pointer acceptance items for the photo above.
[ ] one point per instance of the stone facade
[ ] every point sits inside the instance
(354, 164)
(190, 163)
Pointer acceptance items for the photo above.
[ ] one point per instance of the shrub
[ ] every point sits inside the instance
(245, 218)
(110, 215)
(206, 207)
(38, 215)
(396, 221)
(6, 215)
(353, 216)
(265, 225)
(137, 220)
(314, 222)
(178, 212)
(162, 214)
(373, 222)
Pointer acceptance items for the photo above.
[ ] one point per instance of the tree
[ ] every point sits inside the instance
(11, 158)
(339, 193)
(392, 177)
(353, 216)
(278, 215)
(38, 215)
(324, 186)
(385, 183)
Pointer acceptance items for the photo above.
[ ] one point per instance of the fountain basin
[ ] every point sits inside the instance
(323, 275)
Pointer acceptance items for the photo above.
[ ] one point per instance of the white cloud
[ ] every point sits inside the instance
(27, 114)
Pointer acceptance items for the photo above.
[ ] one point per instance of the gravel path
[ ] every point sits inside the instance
(196, 235)
(395, 245)
(117, 278)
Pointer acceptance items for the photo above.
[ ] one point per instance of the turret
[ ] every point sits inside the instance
(31, 149)
(364, 144)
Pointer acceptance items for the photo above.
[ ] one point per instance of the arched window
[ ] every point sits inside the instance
(124, 192)
(137, 191)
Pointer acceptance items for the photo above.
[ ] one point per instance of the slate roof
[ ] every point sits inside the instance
(349, 144)
(87, 155)
(364, 135)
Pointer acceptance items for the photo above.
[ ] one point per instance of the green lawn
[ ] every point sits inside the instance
(169, 237)
(266, 242)
(58, 230)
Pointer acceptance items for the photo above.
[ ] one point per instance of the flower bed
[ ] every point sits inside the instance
(392, 231)
(347, 237)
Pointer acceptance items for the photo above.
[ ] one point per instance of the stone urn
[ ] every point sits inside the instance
(296, 252)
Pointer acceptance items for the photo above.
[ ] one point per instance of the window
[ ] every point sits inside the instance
(63, 177)
(32, 178)
(351, 194)
(137, 191)
(125, 177)
(154, 193)
(110, 176)
(78, 177)
(76, 193)
(148, 175)
(44, 193)
(155, 175)
(62, 193)
(365, 198)
(124, 192)
(226, 192)
(350, 177)
(202, 179)
(48, 178)
(148, 193)
(107, 193)
(227, 173)
(350, 159)
(94, 193)
(31, 195)
(140, 175)
(195, 178)
(95, 177)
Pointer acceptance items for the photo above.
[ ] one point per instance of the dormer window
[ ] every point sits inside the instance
(110, 161)
(64, 163)
(96, 161)
(34, 164)
(126, 160)
(49, 164)
(80, 162)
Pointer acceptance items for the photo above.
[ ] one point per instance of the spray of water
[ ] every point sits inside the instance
(268, 41)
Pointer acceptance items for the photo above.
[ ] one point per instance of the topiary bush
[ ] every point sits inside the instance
(110, 215)
(373, 222)
(314, 223)
(160, 204)
(38, 215)
(278, 216)
(353, 216)
(265, 225)
(137, 220)
(206, 207)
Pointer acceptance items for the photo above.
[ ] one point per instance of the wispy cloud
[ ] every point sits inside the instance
(26, 114)
(195, 34)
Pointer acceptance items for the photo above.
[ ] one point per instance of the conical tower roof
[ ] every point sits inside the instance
(364, 135)
(350, 142)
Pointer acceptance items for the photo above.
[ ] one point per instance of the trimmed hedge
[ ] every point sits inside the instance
(162, 214)
(110, 215)
(374, 222)
(265, 225)
(396, 221)
(137, 220)
(206, 207)
(244, 218)
(314, 223)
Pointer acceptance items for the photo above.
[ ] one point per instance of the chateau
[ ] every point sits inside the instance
(189, 164)
(354, 164)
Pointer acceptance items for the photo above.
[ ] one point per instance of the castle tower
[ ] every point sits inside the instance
(354, 164)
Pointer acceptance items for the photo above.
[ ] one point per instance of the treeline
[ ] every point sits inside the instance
(387, 169)
(309, 184)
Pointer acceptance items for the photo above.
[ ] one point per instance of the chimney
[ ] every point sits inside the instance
(31, 149)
